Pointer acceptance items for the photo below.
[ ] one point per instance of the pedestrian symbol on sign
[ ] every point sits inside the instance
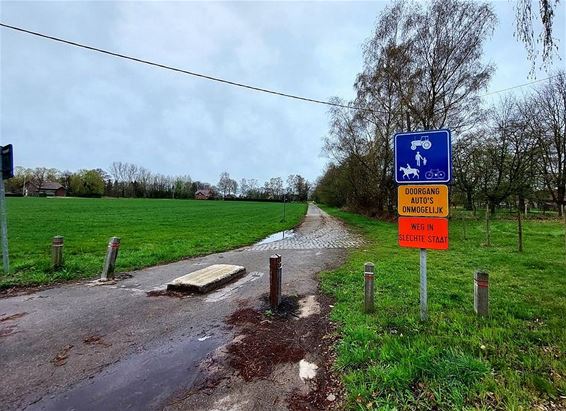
(420, 158)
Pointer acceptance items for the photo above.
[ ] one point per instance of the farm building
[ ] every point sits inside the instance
(48, 188)
(203, 194)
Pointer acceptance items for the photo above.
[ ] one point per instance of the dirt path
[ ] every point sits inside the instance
(88, 347)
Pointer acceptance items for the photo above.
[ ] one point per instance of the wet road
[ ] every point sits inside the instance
(87, 347)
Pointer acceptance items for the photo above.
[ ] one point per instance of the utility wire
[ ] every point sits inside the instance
(191, 73)
(519, 85)
(220, 80)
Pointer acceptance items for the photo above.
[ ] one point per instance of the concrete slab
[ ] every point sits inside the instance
(207, 279)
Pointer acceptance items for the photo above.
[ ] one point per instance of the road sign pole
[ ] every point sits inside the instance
(5, 256)
(424, 296)
(423, 157)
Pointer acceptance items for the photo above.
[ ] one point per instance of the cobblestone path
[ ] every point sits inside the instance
(318, 231)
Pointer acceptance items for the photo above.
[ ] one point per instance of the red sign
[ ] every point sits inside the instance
(423, 232)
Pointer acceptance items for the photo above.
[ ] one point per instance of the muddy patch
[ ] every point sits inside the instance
(8, 330)
(169, 293)
(278, 360)
(22, 290)
(326, 391)
(95, 340)
(12, 317)
(62, 356)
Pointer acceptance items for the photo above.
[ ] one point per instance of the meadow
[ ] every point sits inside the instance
(151, 231)
(514, 359)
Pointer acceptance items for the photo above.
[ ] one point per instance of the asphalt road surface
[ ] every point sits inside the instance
(103, 347)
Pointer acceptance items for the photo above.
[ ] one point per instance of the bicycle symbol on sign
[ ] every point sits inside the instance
(435, 174)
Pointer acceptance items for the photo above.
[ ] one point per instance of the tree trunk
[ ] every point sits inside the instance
(522, 203)
(487, 232)
(564, 215)
(520, 230)
(491, 207)
(469, 199)
(560, 202)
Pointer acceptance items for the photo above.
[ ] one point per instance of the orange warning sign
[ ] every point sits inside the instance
(423, 200)
(423, 232)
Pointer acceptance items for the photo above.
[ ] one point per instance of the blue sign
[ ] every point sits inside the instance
(423, 157)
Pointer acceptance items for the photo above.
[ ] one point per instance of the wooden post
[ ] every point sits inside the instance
(520, 229)
(57, 252)
(275, 272)
(369, 287)
(481, 293)
(110, 261)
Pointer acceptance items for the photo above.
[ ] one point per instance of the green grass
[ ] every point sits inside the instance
(151, 232)
(513, 359)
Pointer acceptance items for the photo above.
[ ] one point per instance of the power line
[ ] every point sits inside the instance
(179, 70)
(220, 80)
(519, 86)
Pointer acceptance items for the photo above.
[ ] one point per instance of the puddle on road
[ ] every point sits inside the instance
(281, 235)
(141, 381)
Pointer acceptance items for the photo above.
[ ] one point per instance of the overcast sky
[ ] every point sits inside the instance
(70, 108)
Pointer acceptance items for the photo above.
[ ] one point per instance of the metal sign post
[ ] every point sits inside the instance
(423, 165)
(4, 224)
(423, 293)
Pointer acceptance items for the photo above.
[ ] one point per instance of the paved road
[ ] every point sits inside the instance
(88, 347)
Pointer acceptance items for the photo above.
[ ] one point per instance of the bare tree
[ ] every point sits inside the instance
(506, 155)
(276, 185)
(224, 183)
(17, 184)
(291, 184)
(525, 29)
(547, 114)
(232, 187)
(244, 187)
(40, 175)
(436, 51)
(467, 157)
(422, 69)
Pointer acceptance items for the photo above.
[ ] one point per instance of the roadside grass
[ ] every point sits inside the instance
(151, 232)
(512, 359)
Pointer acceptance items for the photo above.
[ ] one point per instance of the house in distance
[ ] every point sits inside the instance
(203, 194)
(47, 189)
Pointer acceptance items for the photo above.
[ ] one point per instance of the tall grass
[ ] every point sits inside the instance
(513, 359)
(151, 232)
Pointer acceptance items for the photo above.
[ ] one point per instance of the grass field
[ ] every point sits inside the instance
(151, 231)
(514, 359)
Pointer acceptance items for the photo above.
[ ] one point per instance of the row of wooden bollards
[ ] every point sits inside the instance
(481, 290)
(58, 261)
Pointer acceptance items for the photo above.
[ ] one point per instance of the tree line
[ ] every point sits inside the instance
(296, 187)
(423, 70)
(133, 181)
